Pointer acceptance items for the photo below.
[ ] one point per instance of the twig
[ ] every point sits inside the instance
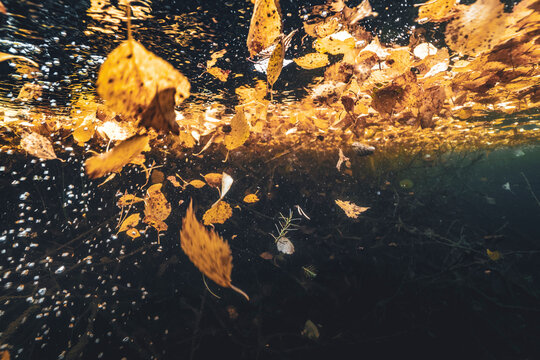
(530, 189)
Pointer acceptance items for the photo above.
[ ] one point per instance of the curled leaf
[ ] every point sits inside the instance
(351, 210)
(207, 251)
(115, 159)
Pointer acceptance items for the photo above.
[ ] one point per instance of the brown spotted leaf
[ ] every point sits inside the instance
(275, 64)
(207, 251)
(265, 26)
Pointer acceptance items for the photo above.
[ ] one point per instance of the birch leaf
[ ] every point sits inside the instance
(115, 159)
(136, 82)
(265, 26)
(240, 131)
(155, 203)
(218, 213)
(197, 183)
(131, 222)
(38, 146)
(251, 198)
(312, 61)
(207, 251)
(275, 64)
(213, 179)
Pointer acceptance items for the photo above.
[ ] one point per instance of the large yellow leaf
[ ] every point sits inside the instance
(312, 61)
(141, 85)
(207, 251)
(265, 26)
(115, 159)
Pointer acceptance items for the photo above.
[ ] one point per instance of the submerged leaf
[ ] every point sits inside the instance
(136, 82)
(115, 159)
(493, 255)
(285, 245)
(218, 213)
(251, 198)
(128, 199)
(240, 131)
(310, 330)
(265, 26)
(207, 251)
(351, 210)
(155, 203)
(197, 183)
(131, 222)
(213, 179)
(38, 146)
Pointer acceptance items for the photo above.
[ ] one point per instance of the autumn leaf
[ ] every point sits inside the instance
(275, 64)
(213, 179)
(338, 43)
(312, 61)
(130, 222)
(84, 131)
(141, 85)
(127, 200)
(435, 10)
(218, 213)
(38, 146)
(197, 183)
(265, 26)
(173, 181)
(155, 203)
(30, 91)
(251, 198)
(240, 131)
(207, 251)
(3, 10)
(133, 233)
(266, 255)
(115, 159)
(351, 210)
(218, 73)
(493, 255)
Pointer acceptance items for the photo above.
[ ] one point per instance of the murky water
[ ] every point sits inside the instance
(444, 264)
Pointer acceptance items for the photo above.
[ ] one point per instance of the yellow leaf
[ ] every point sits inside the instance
(434, 10)
(213, 179)
(38, 146)
(493, 255)
(84, 131)
(312, 61)
(130, 222)
(240, 131)
(207, 251)
(265, 26)
(155, 203)
(128, 199)
(197, 183)
(217, 214)
(251, 198)
(351, 210)
(338, 43)
(141, 85)
(214, 57)
(29, 91)
(173, 181)
(275, 64)
(133, 233)
(115, 159)
(4, 354)
(218, 73)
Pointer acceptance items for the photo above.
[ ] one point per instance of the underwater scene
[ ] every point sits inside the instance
(269, 179)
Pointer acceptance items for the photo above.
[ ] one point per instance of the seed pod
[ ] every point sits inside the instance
(362, 149)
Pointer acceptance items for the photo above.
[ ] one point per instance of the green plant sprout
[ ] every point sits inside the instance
(286, 224)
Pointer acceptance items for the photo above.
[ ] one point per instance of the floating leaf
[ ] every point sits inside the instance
(84, 131)
(218, 213)
(477, 29)
(240, 131)
(275, 64)
(218, 73)
(30, 91)
(173, 181)
(434, 10)
(115, 131)
(207, 251)
(338, 43)
(265, 26)
(493, 255)
(312, 61)
(197, 183)
(351, 210)
(127, 200)
(285, 245)
(115, 159)
(251, 198)
(131, 222)
(38, 146)
(137, 83)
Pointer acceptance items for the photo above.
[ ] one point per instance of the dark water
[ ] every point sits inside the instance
(410, 278)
